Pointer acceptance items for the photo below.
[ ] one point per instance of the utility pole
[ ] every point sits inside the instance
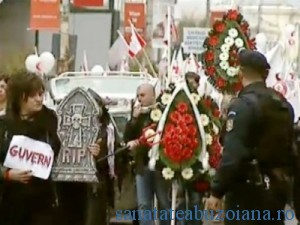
(149, 25)
(259, 16)
(64, 58)
(207, 13)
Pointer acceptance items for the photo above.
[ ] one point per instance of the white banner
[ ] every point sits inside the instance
(193, 39)
(28, 154)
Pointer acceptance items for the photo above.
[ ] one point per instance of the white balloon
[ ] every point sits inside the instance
(97, 69)
(32, 62)
(47, 62)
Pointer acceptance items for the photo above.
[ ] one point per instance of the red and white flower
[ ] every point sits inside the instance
(220, 60)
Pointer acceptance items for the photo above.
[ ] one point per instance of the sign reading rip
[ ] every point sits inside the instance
(25, 153)
(78, 127)
(70, 156)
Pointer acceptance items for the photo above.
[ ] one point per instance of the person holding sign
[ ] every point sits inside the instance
(15, 174)
(28, 146)
(90, 207)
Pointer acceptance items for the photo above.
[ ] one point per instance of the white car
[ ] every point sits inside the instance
(118, 88)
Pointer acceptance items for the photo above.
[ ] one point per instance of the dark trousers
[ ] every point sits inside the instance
(27, 212)
(72, 200)
(83, 204)
(263, 206)
(97, 205)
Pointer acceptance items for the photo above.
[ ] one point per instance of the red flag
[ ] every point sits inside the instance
(173, 31)
(136, 44)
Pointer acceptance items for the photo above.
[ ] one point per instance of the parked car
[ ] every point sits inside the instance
(117, 88)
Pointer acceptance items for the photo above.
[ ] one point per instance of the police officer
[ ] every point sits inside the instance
(247, 183)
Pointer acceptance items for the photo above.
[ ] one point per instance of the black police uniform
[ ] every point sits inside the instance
(233, 177)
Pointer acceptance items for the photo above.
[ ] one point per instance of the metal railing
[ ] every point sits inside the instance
(106, 73)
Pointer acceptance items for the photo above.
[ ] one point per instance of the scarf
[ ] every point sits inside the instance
(111, 147)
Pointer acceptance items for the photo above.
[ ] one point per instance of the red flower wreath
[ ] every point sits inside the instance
(180, 140)
(180, 143)
(220, 59)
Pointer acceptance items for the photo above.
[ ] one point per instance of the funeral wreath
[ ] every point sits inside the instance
(186, 145)
(222, 45)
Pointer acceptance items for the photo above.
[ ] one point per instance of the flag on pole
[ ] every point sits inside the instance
(172, 30)
(116, 53)
(85, 67)
(136, 44)
(124, 65)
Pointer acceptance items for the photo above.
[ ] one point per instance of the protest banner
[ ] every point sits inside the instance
(28, 154)
(193, 39)
(134, 13)
(45, 15)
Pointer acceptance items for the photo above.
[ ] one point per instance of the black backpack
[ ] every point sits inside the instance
(274, 132)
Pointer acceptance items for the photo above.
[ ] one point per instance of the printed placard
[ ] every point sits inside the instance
(25, 153)
(193, 39)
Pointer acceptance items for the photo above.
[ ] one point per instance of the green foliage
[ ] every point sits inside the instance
(13, 63)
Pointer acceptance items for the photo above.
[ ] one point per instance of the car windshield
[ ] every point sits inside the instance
(114, 85)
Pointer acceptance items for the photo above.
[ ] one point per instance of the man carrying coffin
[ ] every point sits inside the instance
(32, 200)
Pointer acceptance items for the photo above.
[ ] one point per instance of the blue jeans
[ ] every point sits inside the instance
(148, 184)
(194, 204)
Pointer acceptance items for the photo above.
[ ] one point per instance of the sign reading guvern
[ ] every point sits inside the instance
(25, 153)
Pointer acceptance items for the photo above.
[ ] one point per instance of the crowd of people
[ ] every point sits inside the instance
(258, 165)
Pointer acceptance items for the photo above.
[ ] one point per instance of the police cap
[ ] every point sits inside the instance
(254, 61)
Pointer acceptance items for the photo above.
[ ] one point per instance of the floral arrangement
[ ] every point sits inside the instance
(185, 153)
(222, 45)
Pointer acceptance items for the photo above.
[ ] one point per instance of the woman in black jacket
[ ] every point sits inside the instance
(30, 200)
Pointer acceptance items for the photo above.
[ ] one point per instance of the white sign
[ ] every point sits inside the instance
(193, 39)
(28, 154)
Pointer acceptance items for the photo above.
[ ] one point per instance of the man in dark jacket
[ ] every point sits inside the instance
(148, 182)
(251, 177)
